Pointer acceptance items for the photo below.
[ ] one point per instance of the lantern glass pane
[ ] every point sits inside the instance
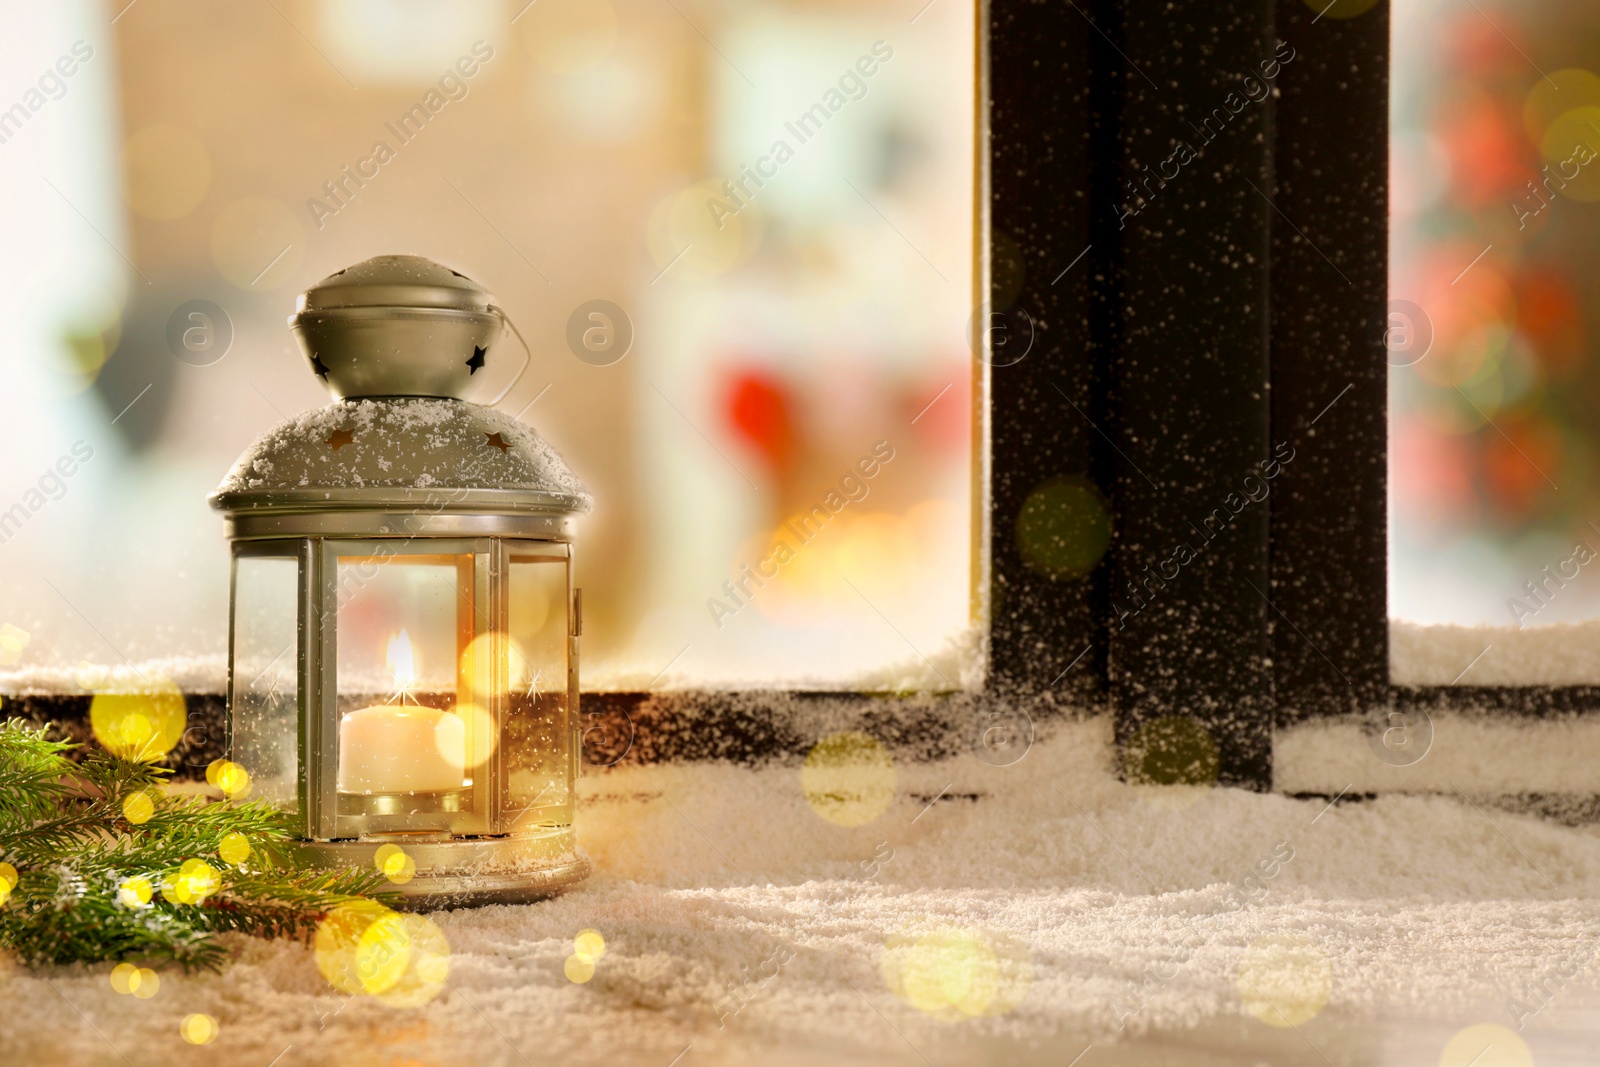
(266, 681)
(538, 745)
(404, 625)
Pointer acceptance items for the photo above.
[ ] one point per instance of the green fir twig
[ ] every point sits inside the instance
(62, 827)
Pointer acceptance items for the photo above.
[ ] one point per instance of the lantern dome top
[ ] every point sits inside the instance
(401, 454)
(396, 281)
(398, 326)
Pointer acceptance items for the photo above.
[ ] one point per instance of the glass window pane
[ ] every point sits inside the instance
(266, 680)
(539, 749)
(403, 624)
(1495, 178)
(742, 244)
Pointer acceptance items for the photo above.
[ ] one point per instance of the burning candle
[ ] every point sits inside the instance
(396, 748)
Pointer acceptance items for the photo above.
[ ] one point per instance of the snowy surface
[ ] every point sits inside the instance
(1431, 911)
(1563, 653)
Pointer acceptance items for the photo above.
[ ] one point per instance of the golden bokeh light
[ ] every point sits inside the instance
(256, 243)
(168, 172)
(230, 777)
(1173, 750)
(1574, 136)
(124, 978)
(8, 875)
(578, 969)
(479, 660)
(589, 944)
(364, 947)
(465, 736)
(234, 849)
(957, 972)
(194, 881)
(128, 979)
(568, 36)
(686, 237)
(396, 866)
(848, 778)
(13, 639)
(198, 1029)
(1486, 1045)
(89, 333)
(5, 893)
(138, 808)
(140, 725)
(1064, 527)
(135, 891)
(1285, 980)
(1550, 97)
(146, 984)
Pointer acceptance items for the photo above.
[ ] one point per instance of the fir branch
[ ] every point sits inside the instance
(93, 885)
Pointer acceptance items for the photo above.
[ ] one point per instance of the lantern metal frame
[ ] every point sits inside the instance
(412, 468)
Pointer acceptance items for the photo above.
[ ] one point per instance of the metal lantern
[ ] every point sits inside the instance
(403, 653)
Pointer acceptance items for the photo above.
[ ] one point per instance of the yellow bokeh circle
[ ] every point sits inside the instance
(1548, 98)
(1285, 980)
(1173, 750)
(1572, 137)
(198, 1029)
(148, 985)
(5, 893)
(124, 978)
(234, 849)
(135, 891)
(141, 982)
(230, 777)
(144, 725)
(8, 875)
(699, 231)
(957, 972)
(465, 736)
(1486, 1045)
(568, 36)
(589, 944)
(256, 243)
(364, 947)
(193, 882)
(167, 172)
(138, 808)
(488, 650)
(578, 969)
(396, 866)
(849, 778)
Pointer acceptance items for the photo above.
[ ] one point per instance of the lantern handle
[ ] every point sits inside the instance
(527, 354)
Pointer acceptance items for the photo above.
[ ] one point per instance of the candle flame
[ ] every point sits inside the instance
(402, 662)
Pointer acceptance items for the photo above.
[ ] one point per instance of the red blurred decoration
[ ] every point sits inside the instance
(943, 408)
(1519, 465)
(758, 408)
(1549, 316)
(1430, 477)
(1488, 150)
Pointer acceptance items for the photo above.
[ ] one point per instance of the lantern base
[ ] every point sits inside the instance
(463, 872)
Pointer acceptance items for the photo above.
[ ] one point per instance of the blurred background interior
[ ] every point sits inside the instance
(566, 151)
(1495, 209)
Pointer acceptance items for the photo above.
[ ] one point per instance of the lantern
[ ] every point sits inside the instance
(403, 654)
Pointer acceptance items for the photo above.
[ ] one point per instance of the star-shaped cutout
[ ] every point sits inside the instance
(339, 438)
(476, 362)
(320, 367)
(496, 440)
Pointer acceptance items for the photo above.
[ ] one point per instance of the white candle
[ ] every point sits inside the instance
(395, 749)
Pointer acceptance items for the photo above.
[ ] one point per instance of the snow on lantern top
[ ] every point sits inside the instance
(399, 340)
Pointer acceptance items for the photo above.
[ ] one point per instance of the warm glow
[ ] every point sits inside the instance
(402, 662)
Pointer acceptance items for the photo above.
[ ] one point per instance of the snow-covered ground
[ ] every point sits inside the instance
(743, 927)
